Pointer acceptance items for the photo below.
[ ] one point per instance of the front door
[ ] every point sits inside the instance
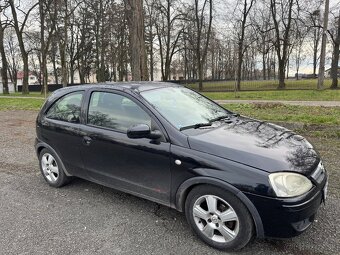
(138, 166)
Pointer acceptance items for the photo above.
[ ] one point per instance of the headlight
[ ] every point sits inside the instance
(286, 184)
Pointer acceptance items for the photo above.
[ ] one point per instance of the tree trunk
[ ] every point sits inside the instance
(43, 66)
(200, 76)
(138, 58)
(62, 47)
(81, 71)
(282, 84)
(264, 66)
(315, 49)
(323, 47)
(26, 73)
(4, 68)
(151, 53)
(335, 58)
(63, 64)
(239, 67)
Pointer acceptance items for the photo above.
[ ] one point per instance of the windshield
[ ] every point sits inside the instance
(183, 107)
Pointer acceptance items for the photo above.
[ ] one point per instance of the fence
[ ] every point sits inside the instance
(224, 85)
(255, 85)
(38, 88)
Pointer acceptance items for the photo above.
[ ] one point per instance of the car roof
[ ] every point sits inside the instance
(135, 86)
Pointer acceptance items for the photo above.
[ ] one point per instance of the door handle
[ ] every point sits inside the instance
(87, 140)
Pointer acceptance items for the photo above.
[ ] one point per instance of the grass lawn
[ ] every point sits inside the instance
(20, 103)
(289, 113)
(268, 111)
(19, 94)
(290, 95)
(312, 121)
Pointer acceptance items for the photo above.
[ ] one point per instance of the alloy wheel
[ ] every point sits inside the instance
(215, 218)
(50, 167)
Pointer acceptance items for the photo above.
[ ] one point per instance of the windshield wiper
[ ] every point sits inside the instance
(219, 118)
(198, 125)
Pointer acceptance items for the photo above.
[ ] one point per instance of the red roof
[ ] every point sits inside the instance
(20, 74)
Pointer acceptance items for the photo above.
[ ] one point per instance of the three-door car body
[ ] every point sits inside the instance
(144, 138)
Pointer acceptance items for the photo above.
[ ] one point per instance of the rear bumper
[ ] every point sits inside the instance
(284, 218)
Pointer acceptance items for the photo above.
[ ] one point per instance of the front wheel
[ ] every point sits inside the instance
(219, 218)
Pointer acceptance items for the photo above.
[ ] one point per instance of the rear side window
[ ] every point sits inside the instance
(67, 108)
(116, 112)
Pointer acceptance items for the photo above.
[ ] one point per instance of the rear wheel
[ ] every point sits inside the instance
(51, 169)
(219, 218)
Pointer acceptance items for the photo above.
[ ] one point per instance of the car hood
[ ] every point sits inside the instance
(258, 144)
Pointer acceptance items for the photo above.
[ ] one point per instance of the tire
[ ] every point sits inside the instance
(219, 219)
(51, 169)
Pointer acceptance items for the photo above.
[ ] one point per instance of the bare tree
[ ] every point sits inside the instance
(48, 15)
(282, 15)
(168, 31)
(13, 55)
(246, 6)
(315, 29)
(19, 29)
(202, 30)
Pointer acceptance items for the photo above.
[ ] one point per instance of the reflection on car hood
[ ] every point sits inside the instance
(258, 144)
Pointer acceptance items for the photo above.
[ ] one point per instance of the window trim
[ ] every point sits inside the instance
(60, 98)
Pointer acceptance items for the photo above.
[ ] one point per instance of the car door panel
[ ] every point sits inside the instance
(66, 140)
(141, 166)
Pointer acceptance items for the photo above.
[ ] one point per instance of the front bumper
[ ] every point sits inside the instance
(288, 217)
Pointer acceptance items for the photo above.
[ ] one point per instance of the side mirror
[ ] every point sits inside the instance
(143, 131)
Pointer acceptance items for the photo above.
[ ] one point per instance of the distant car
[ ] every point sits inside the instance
(233, 176)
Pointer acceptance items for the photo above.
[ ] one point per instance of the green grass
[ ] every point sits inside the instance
(20, 104)
(290, 95)
(19, 94)
(259, 85)
(288, 113)
(268, 111)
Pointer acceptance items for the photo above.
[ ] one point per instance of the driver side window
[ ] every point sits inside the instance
(116, 112)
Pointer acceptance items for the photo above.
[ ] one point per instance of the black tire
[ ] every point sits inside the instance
(61, 178)
(245, 225)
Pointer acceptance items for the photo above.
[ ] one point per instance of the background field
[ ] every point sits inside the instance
(258, 85)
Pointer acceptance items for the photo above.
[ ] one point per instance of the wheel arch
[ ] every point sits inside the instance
(188, 185)
(41, 145)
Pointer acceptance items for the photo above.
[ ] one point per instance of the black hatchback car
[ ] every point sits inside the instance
(233, 176)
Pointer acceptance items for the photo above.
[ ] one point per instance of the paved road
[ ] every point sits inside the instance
(85, 218)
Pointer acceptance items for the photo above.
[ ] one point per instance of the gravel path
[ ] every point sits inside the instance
(86, 218)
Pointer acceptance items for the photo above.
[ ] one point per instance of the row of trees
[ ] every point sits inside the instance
(117, 40)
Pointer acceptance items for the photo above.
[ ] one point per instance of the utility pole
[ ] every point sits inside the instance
(323, 47)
